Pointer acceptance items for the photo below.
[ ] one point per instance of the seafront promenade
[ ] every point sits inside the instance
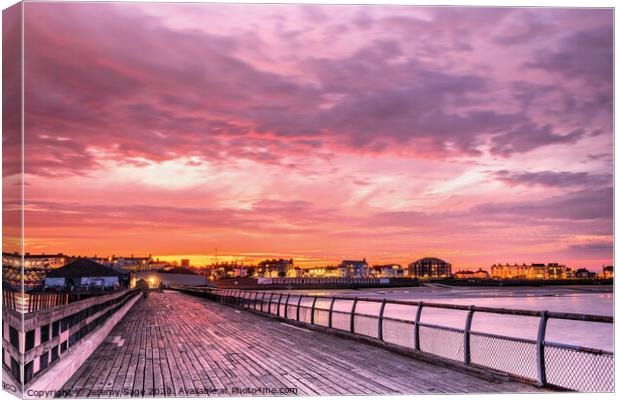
(174, 344)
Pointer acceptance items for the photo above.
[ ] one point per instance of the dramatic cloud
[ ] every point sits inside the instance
(586, 54)
(552, 179)
(378, 131)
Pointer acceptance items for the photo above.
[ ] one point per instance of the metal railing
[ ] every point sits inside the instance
(540, 361)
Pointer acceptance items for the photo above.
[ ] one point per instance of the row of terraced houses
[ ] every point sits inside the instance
(37, 266)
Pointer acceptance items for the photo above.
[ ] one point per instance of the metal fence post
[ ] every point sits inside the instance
(353, 315)
(288, 296)
(255, 301)
(298, 305)
(540, 349)
(269, 306)
(262, 302)
(279, 303)
(312, 311)
(380, 323)
(331, 311)
(418, 316)
(467, 336)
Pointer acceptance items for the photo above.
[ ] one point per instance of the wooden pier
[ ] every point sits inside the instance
(173, 344)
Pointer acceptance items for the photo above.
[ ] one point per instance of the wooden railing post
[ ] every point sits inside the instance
(312, 311)
(352, 327)
(380, 323)
(540, 349)
(418, 317)
(331, 311)
(467, 336)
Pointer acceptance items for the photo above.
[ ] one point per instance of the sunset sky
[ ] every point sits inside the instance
(320, 133)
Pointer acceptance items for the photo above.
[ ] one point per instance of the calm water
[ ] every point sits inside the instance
(565, 299)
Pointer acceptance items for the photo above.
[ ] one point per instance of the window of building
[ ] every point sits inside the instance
(14, 337)
(28, 370)
(45, 333)
(43, 362)
(29, 340)
(54, 353)
(55, 328)
(64, 324)
(15, 369)
(63, 346)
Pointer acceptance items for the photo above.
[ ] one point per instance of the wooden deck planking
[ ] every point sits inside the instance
(178, 344)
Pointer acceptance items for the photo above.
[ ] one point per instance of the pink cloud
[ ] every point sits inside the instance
(316, 127)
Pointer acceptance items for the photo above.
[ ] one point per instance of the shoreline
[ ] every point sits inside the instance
(424, 292)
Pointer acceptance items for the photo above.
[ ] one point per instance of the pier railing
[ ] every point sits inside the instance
(539, 361)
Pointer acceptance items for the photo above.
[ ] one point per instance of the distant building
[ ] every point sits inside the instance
(227, 270)
(480, 274)
(157, 265)
(185, 262)
(353, 268)
(35, 260)
(329, 271)
(532, 271)
(583, 273)
(85, 274)
(387, 271)
(556, 271)
(296, 272)
(129, 263)
(241, 271)
(36, 267)
(132, 263)
(430, 267)
(276, 268)
(608, 272)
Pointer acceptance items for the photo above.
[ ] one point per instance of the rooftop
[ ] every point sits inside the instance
(85, 267)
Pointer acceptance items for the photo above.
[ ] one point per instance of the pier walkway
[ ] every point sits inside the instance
(174, 344)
